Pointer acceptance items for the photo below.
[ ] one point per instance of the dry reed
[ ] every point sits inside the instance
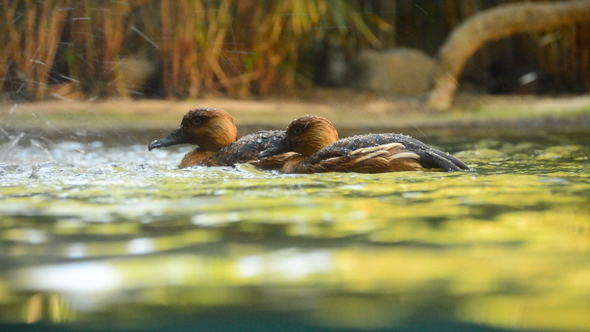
(38, 26)
(238, 47)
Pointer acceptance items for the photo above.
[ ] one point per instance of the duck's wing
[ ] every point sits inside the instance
(276, 161)
(246, 148)
(429, 157)
(371, 140)
(370, 153)
(391, 157)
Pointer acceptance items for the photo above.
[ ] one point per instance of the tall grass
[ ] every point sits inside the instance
(237, 47)
(31, 32)
(243, 47)
(193, 46)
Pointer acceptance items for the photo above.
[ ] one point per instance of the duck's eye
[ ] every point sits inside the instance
(297, 130)
(197, 120)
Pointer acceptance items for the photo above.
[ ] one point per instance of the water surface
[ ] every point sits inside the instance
(96, 235)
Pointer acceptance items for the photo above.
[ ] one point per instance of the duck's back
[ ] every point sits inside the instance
(429, 157)
(246, 148)
(370, 140)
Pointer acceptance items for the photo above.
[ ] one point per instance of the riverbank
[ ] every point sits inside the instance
(348, 110)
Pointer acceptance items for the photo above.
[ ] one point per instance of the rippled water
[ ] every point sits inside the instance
(95, 236)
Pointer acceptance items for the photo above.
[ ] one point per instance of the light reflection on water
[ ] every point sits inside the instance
(118, 237)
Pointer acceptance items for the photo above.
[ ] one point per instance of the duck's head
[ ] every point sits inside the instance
(209, 128)
(305, 135)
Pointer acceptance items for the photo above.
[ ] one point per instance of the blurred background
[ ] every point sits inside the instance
(76, 49)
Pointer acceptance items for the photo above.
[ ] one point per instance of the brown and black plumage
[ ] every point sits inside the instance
(215, 134)
(311, 145)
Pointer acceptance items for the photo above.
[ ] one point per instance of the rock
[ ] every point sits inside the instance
(136, 72)
(401, 71)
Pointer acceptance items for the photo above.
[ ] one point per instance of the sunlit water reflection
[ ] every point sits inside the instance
(117, 237)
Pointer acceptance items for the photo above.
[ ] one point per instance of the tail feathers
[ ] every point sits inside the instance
(437, 159)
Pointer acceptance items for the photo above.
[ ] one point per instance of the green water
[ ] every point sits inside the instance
(97, 236)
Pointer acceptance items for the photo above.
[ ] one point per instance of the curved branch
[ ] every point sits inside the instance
(491, 25)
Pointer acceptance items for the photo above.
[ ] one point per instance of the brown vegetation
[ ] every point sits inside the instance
(237, 47)
(30, 46)
(83, 49)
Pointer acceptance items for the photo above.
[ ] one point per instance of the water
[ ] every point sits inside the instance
(98, 236)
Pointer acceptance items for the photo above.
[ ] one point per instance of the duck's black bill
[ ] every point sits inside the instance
(279, 147)
(175, 138)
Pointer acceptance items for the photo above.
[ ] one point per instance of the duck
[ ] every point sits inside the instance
(311, 145)
(216, 136)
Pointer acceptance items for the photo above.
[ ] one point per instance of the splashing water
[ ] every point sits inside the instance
(89, 226)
